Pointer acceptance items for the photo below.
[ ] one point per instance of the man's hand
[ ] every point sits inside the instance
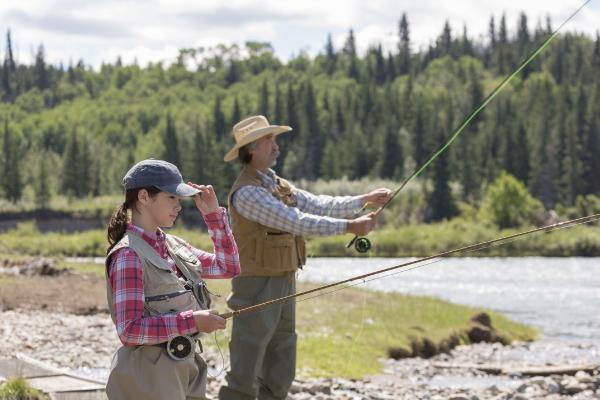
(208, 321)
(362, 225)
(206, 200)
(378, 197)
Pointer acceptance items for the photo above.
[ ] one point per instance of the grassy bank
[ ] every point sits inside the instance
(346, 333)
(410, 240)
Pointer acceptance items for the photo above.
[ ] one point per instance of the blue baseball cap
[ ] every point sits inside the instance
(160, 174)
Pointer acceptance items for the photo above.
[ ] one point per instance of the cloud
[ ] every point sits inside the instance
(67, 25)
(229, 17)
(153, 30)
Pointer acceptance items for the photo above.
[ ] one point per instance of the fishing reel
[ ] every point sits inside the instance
(181, 347)
(362, 244)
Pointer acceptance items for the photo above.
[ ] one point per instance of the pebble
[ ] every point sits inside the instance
(86, 344)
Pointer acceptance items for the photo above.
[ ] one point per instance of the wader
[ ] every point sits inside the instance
(263, 343)
(147, 372)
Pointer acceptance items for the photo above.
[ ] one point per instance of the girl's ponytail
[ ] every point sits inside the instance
(117, 226)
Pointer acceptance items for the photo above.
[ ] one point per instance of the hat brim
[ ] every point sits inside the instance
(253, 136)
(180, 189)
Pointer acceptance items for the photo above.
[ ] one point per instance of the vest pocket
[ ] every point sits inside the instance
(278, 252)
(172, 302)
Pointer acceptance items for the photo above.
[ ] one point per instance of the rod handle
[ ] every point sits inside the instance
(226, 315)
(351, 242)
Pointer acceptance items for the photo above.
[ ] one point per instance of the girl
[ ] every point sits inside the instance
(155, 290)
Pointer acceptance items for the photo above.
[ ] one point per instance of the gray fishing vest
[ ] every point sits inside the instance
(164, 291)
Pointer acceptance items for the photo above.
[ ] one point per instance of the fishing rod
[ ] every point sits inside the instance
(469, 248)
(362, 244)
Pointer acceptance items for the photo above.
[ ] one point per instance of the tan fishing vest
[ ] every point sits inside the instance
(164, 291)
(265, 251)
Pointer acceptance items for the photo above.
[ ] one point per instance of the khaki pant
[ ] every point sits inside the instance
(263, 343)
(148, 373)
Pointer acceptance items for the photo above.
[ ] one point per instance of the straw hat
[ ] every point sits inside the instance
(251, 129)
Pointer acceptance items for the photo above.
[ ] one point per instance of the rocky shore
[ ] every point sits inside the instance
(85, 344)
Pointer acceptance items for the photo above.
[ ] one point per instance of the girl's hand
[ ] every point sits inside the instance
(208, 321)
(206, 200)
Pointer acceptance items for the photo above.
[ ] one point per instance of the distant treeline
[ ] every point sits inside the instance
(73, 130)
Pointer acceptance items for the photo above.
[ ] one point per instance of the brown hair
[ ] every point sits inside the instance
(244, 154)
(117, 226)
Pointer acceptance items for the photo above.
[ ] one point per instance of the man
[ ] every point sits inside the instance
(269, 219)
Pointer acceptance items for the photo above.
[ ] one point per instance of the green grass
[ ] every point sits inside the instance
(100, 206)
(345, 334)
(409, 240)
(83, 268)
(19, 389)
(27, 239)
(428, 239)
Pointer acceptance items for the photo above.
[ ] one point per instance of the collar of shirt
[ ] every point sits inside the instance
(269, 179)
(157, 239)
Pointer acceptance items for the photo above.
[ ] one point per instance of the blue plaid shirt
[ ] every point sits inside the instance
(313, 215)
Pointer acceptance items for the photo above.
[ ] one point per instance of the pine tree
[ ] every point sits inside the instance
(236, 113)
(544, 179)
(404, 46)
(10, 59)
(596, 54)
(201, 163)
(467, 168)
(591, 145)
(492, 33)
(440, 201)
(445, 40)
(278, 107)
(314, 140)
(419, 134)
(523, 36)
(572, 166)
(85, 170)
(219, 124)
(42, 186)
(170, 142)
(9, 70)
(523, 42)
(41, 72)
(6, 82)
(330, 56)
(350, 52)
(380, 67)
(391, 67)
(392, 160)
(593, 141)
(263, 104)
(490, 49)
(522, 154)
(476, 93)
(291, 111)
(71, 166)
(466, 45)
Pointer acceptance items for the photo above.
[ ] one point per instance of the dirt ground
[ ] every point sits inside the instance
(73, 293)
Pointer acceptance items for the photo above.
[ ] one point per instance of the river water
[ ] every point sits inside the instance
(560, 296)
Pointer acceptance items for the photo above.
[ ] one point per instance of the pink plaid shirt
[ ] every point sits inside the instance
(127, 282)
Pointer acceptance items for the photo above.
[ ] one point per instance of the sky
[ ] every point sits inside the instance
(153, 30)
